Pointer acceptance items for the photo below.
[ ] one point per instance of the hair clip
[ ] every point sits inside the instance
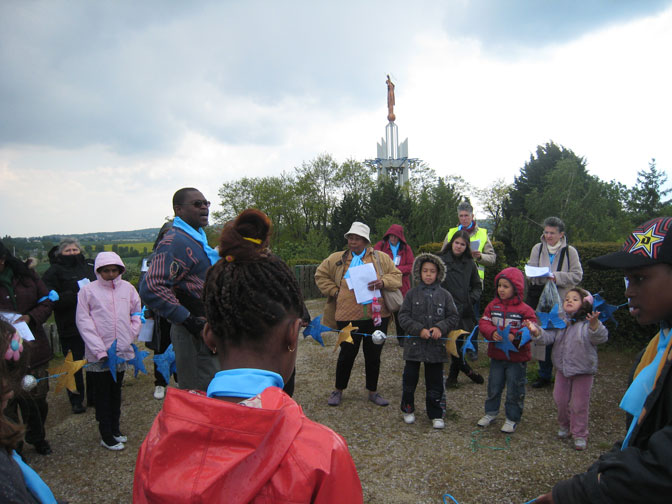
(15, 348)
(253, 240)
(229, 258)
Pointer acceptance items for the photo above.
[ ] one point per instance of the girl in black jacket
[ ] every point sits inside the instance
(463, 282)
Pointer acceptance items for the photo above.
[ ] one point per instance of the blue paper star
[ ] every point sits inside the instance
(505, 345)
(113, 360)
(606, 310)
(552, 319)
(525, 336)
(137, 360)
(165, 363)
(315, 330)
(468, 345)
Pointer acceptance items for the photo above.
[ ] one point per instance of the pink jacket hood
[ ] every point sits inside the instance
(107, 258)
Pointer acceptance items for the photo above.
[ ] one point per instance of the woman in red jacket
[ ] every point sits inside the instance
(394, 244)
(246, 440)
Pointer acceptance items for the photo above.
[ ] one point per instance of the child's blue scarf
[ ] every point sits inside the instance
(243, 382)
(199, 236)
(34, 483)
(640, 388)
(395, 250)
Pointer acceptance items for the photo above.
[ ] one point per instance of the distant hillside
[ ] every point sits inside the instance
(138, 235)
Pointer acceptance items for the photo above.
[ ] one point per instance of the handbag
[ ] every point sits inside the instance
(392, 298)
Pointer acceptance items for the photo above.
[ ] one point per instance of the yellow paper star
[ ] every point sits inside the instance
(345, 336)
(452, 338)
(67, 371)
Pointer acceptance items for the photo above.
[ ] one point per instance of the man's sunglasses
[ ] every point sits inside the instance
(197, 203)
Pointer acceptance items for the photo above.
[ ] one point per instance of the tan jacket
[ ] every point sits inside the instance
(330, 281)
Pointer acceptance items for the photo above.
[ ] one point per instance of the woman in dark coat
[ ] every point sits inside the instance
(69, 271)
(463, 282)
(22, 292)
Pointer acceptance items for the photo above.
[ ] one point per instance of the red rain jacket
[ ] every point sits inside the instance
(201, 449)
(405, 255)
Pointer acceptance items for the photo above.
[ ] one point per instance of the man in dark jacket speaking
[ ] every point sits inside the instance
(638, 468)
(173, 284)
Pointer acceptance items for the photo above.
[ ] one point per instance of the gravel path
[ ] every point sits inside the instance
(397, 463)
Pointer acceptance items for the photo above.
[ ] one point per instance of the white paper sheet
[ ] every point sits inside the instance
(537, 271)
(81, 283)
(21, 327)
(147, 330)
(360, 276)
(474, 244)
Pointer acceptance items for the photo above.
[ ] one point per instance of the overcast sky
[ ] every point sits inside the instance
(108, 107)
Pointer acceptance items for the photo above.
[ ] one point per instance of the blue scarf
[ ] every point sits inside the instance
(640, 388)
(468, 228)
(199, 236)
(243, 382)
(395, 250)
(356, 261)
(34, 483)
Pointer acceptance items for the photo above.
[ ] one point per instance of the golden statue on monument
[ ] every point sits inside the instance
(390, 99)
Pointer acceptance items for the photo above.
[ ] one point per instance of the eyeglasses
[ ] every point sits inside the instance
(197, 203)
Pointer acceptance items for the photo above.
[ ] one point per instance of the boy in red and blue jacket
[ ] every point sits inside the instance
(506, 310)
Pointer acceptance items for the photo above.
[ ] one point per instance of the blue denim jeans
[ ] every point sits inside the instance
(512, 375)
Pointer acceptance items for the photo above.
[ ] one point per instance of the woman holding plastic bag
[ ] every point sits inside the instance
(565, 272)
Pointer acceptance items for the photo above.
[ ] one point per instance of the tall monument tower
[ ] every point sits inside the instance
(392, 159)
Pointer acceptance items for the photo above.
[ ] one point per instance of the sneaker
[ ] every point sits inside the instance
(509, 426)
(541, 383)
(78, 408)
(579, 444)
(112, 446)
(486, 420)
(120, 438)
(475, 377)
(451, 383)
(563, 433)
(335, 398)
(438, 423)
(43, 447)
(159, 392)
(376, 398)
(409, 418)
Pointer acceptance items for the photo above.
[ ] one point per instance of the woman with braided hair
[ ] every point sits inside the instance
(246, 440)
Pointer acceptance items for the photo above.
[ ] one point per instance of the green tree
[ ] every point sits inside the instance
(646, 198)
(434, 211)
(492, 199)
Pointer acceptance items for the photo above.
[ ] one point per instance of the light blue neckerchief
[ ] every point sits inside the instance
(243, 382)
(199, 236)
(640, 388)
(34, 483)
(551, 257)
(395, 250)
(356, 261)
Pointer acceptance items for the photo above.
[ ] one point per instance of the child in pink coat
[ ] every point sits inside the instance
(108, 310)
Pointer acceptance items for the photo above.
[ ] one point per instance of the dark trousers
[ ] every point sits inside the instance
(346, 358)
(107, 395)
(75, 345)
(433, 385)
(546, 366)
(458, 364)
(164, 343)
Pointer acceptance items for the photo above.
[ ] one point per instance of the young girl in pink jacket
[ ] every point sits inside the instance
(108, 310)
